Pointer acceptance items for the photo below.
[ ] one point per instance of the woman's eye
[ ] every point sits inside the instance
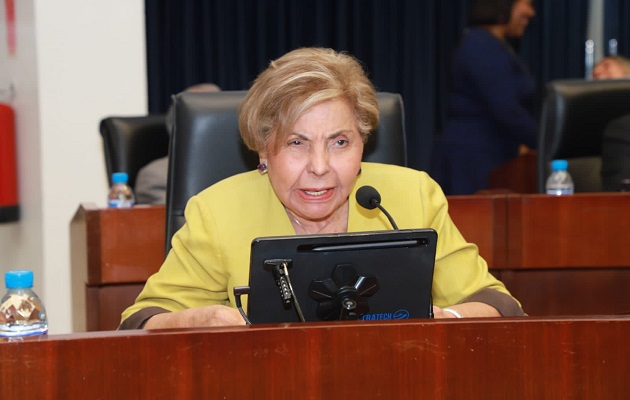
(295, 142)
(341, 142)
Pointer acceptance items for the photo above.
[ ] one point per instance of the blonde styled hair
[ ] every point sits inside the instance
(297, 81)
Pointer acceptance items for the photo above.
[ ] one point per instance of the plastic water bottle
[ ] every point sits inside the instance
(22, 313)
(559, 182)
(120, 195)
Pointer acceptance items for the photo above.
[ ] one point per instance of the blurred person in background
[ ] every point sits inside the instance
(489, 102)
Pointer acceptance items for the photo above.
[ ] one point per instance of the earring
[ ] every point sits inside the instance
(262, 168)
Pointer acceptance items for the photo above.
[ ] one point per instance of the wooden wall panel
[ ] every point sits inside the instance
(582, 230)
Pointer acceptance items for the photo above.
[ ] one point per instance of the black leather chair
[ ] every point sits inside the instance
(132, 142)
(206, 146)
(616, 155)
(574, 116)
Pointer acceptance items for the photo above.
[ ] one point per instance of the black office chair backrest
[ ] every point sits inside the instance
(130, 143)
(206, 146)
(616, 155)
(574, 116)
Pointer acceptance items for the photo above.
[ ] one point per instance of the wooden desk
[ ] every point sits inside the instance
(585, 358)
(517, 175)
(557, 255)
(569, 255)
(578, 231)
(483, 221)
(113, 252)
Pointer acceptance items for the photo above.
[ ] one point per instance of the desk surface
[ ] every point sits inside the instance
(585, 358)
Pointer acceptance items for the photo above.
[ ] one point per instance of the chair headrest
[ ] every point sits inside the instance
(576, 112)
(132, 142)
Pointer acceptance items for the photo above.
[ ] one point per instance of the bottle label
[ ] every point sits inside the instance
(559, 192)
(117, 203)
(22, 314)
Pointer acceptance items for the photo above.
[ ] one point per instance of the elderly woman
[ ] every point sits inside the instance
(308, 115)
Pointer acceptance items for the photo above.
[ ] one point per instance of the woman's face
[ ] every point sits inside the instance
(522, 12)
(315, 168)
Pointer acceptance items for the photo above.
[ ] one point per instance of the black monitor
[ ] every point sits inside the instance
(380, 275)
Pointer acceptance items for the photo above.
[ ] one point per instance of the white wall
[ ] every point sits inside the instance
(77, 61)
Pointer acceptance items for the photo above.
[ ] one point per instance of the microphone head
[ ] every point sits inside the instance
(368, 197)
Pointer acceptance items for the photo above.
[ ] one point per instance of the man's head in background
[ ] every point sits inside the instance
(203, 87)
(612, 67)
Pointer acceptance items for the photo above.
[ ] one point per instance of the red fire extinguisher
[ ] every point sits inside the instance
(9, 207)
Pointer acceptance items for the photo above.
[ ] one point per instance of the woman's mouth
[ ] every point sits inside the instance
(318, 194)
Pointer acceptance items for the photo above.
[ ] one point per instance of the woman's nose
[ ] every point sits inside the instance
(319, 162)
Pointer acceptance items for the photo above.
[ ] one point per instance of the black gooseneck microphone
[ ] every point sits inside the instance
(370, 198)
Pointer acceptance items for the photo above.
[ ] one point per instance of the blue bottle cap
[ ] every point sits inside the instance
(18, 279)
(120, 177)
(559, 165)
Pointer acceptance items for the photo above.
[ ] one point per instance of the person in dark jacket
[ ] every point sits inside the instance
(489, 100)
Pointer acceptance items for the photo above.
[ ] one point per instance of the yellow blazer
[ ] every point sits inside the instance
(210, 253)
